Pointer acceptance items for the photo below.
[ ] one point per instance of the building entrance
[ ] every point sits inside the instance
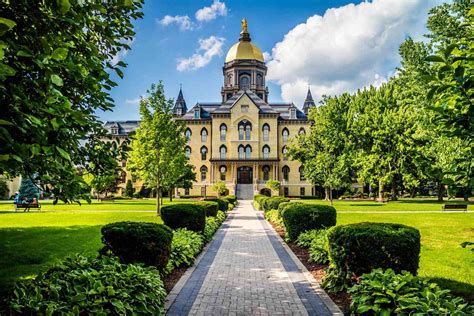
(244, 175)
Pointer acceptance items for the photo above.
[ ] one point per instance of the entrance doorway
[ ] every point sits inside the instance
(244, 175)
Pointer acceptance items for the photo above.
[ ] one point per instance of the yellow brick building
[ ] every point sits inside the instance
(242, 139)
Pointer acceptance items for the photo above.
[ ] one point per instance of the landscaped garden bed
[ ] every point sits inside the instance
(351, 261)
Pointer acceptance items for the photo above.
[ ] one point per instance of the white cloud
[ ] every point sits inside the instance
(345, 49)
(122, 53)
(133, 101)
(183, 21)
(210, 13)
(208, 49)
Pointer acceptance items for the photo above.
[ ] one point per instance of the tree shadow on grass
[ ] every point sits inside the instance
(421, 201)
(457, 288)
(365, 204)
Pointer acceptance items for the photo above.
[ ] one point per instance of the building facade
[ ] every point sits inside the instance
(241, 140)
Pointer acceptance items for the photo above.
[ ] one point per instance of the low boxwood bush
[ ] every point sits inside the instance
(299, 217)
(316, 241)
(359, 248)
(282, 206)
(138, 242)
(210, 207)
(223, 205)
(273, 216)
(387, 293)
(83, 286)
(191, 216)
(185, 247)
(272, 203)
(232, 199)
(257, 197)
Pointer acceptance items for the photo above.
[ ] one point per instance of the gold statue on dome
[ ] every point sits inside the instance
(244, 26)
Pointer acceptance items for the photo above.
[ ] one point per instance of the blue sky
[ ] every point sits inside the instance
(332, 46)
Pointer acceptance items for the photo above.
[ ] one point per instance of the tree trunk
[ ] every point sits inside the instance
(440, 191)
(326, 194)
(380, 191)
(466, 197)
(158, 208)
(394, 189)
(171, 195)
(330, 196)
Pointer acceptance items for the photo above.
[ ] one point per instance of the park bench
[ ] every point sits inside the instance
(108, 198)
(27, 207)
(448, 207)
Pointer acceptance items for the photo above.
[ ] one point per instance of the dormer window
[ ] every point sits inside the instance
(197, 113)
(178, 111)
(244, 108)
(293, 113)
(114, 130)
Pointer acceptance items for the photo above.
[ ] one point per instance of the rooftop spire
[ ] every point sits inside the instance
(308, 102)
(180, 107)
(244, 35)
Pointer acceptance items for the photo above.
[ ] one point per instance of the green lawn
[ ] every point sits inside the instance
(442, 257)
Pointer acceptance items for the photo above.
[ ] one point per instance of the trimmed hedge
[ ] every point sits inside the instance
(359, 248)
(299, 217)
(223, 205)
(210, 207)
(138, 242)
(257, 198)
(232, 199)
(282, 207)
(212, 225)
(272, 203)
(191, 216)
(83, 286)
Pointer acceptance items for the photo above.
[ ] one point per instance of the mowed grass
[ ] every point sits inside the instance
(442, 258)
(30, 242)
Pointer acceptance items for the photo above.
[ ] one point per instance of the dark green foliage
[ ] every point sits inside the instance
(3, 189)
(282, 206)
(359, 248)
(83, 286)
(257, 197)
(223, 204)
(299, 217)
(191, 216)
(210, 207)
(232, 199)
(28, 190)
(55, 74)
(316, 241)
(386, 293)
(185, 247)
(129, 188)
(138, 242)
(262, 202)
(212, 225)
(274, 217)
(271, 203)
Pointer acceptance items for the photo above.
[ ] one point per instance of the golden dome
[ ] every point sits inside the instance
(244, 49)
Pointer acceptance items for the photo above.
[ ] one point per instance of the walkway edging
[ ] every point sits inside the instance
(333, 308)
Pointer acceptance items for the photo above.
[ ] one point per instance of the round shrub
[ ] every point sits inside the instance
(263, 203)
(223, 205)
(138, 242)
(359, 248)
(258, 197)
(191, 216)
(272, 203)
(210, 207)
(282, 207)
(299, 217)
(232, 199)
(83, 286)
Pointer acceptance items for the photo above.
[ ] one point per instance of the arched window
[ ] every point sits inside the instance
(203, 173)
(284, 151)
(302, 178)
(302, 131)
(266, 152)
(188, 151)
(244, 82)
(285, 135)
(248, 152)
(223, 151)
(266, 173)
(203, 153)
(241, 152)
(286, 172)
(245, 128)
(223, 170)
(223, 130)
(266, 132)
(259, 80)
(188, 134)
(293, 113)
(204, 135)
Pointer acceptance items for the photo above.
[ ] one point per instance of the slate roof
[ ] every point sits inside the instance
(124, 127)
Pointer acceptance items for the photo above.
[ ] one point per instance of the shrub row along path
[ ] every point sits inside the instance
(247, 271)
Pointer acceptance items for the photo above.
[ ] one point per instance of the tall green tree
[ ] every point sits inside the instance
(55, 73)
(129, 188)
(158, 147)
(324, 150)
(28, 190)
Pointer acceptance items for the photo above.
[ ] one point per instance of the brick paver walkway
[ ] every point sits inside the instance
(247, 271)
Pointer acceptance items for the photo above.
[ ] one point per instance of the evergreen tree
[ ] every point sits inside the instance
(129, 188)
(28, 190)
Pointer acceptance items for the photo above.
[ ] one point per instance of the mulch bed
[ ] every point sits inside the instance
(171, 279)
(342, 299)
